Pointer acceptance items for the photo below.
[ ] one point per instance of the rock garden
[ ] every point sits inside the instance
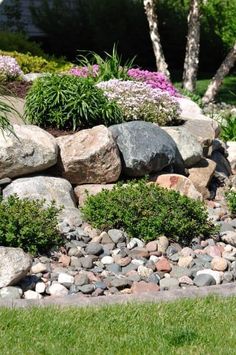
(112, 183)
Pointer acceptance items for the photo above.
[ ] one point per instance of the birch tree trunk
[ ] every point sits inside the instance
(149, 6)
(217, 80)
(192, 47)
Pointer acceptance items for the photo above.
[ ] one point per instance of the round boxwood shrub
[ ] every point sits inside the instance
(147, 211)
(69, 102)
(28, 224)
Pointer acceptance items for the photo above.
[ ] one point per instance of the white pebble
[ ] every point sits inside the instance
(107, 260)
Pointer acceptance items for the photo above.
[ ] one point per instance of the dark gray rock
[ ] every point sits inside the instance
(87, 289)
(120, 284)
(223, 168)
(86, 262)
(129, 267)
(101, 285)
(115, 268)
(81, 279)
(178, 271)
(116, 235)
(169, 283)
(146, 148)
(94, 249)
(204, 280)
(154, 278)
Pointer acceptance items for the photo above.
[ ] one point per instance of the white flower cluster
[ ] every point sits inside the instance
(9, 68)
(139, 101)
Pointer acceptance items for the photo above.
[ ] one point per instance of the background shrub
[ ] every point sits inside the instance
(28, 224)
(147, 211)
(35, 64)
(66, 101)
(139, 101)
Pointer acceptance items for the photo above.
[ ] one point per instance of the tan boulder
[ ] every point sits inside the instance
(202, 173)
(179, 183)
(89, 156)
(204, 129)
(82, 191)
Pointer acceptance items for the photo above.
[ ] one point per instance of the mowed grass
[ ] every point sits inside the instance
(227, 92)
(202, 326)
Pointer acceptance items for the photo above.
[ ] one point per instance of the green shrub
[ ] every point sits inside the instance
(12, 41)
(28, 224)
(35, 64)
(147, 211)
(228, 128)
(231, 200)
(69, 102)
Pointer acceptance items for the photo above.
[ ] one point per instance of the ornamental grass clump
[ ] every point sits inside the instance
(155, 79)
(139, 101)
(9, 68)
(69, 102)
(28, 224)
(147, 211)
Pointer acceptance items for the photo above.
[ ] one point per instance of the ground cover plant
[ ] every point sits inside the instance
(69, 102)
(181, 327)
(37, 64)
(231, 200)
(9, 68)
(139, 101)
(147, 211)
(28, 224)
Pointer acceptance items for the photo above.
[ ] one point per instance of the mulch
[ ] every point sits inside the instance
(17, 88)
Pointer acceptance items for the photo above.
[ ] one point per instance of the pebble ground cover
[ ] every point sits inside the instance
(202, 326)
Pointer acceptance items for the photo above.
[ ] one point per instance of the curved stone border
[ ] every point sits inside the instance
(225, 290)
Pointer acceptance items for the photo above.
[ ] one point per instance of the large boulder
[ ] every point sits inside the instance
(43, 187)
(82, 191)
(189, 109)
(30, 149)
(14, 265)
(201, 175)
(146, 148)
(179, 183)
(188, 145)
(205, 130)
(89, 156)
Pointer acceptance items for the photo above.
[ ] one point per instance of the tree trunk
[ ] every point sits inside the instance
(149, 6)
(217, 80)
(192, 47)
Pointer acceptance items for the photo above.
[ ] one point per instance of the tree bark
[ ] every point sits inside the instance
(217, 80)
(149, 6)
(192, 47)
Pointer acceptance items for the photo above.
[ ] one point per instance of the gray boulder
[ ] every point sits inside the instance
(14, 265)
(146, 148)
(43, 187)
(31, 149)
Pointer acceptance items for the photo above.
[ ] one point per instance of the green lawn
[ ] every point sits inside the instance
(227, 91)
(203, 326)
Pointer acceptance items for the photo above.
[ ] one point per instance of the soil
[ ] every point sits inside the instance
(17, 88)
(55, 132)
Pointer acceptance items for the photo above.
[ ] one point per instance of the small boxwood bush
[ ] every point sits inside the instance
(28, 224)
(69, 102)
(231, 200)
(147, 211)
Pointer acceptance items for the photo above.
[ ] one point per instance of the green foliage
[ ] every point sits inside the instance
(11, 41)
(111, 67)
(6, 108)
(66, 101)
(35, 64)
(147, 211)
(28, 224)
(231, 200)
(228, 128)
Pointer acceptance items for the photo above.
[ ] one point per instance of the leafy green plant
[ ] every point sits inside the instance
(66, 101)
(15, 41)
(28, 224)
(231, 201)
(147, 211)
(36, 64)
(228, 128)
(110, 67)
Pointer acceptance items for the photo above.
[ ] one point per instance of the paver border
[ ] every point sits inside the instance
(225, 290)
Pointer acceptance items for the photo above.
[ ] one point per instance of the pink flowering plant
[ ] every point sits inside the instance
(139, 101)
(155, 79)
(87, 71)
(9, 68)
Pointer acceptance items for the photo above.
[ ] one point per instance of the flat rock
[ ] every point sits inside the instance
(30, 150)
(179, 183)
(89, 156)
(14, 265)
(204, 129)
(83, 191)
(188, 145)
(146, 148)
(202, 173)
(11, 292)
(144, 287)
(204, 280)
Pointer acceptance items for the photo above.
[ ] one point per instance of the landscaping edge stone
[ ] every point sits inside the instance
(225, 290)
